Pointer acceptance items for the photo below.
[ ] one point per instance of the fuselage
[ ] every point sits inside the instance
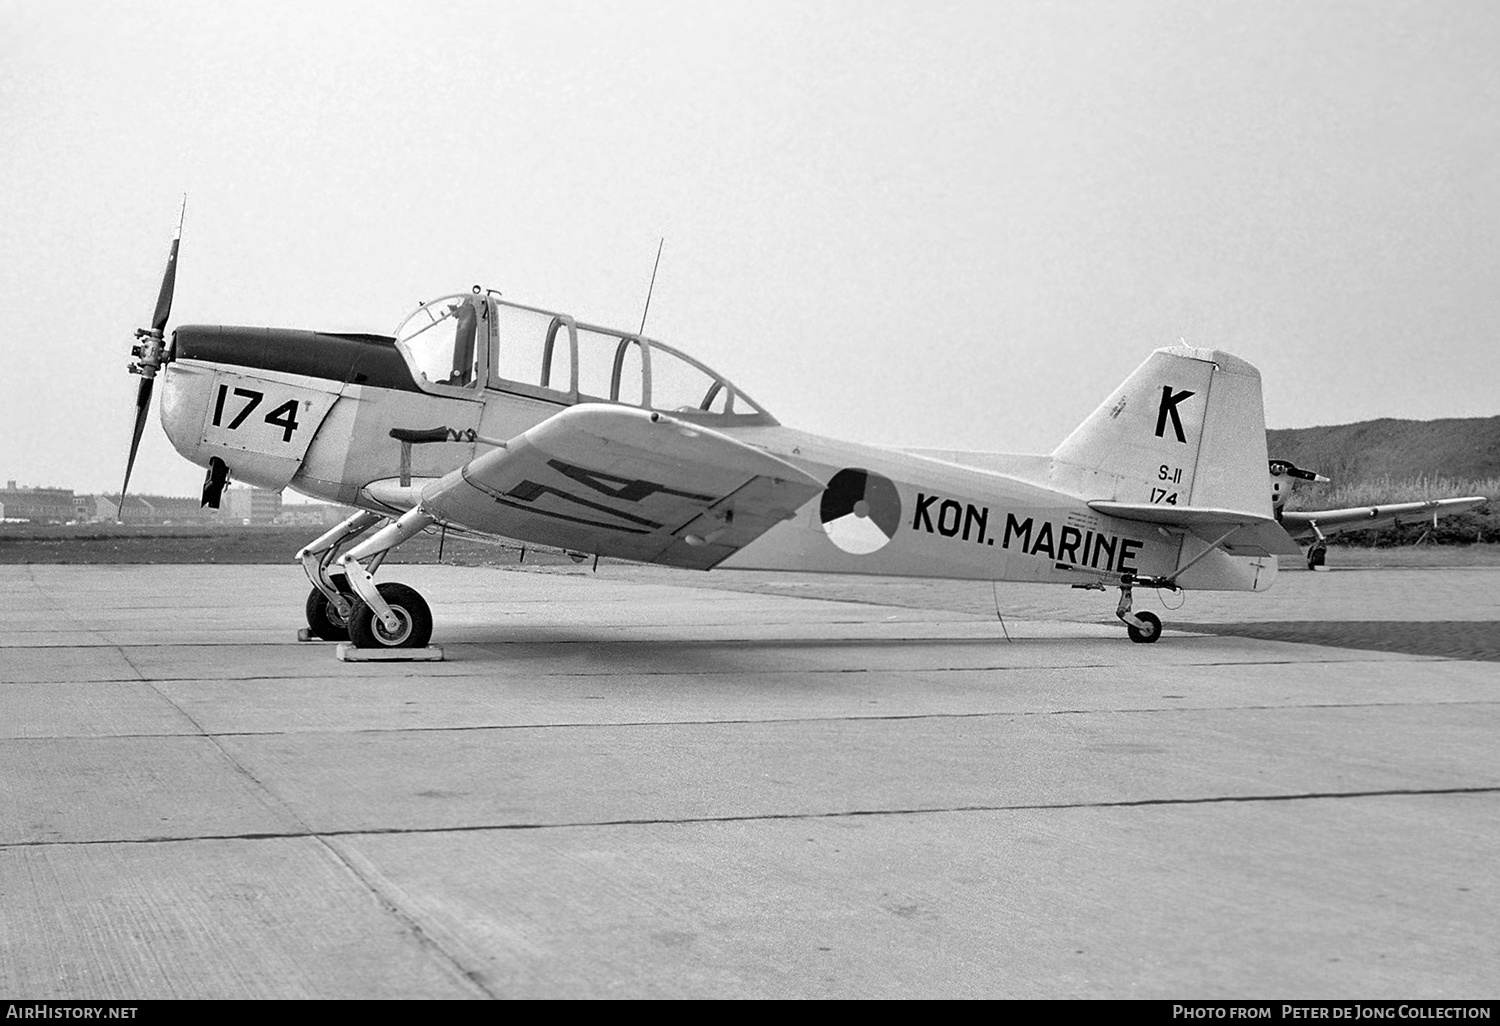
(315, 412)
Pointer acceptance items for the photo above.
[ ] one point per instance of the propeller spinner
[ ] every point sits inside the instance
(150, 354)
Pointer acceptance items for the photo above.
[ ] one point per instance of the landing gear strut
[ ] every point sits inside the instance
(331, 602)
(1143, 628)
(390, 615)
(345, 604)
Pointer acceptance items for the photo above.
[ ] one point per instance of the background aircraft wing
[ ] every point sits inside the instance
(1300, 524)
(619, 481)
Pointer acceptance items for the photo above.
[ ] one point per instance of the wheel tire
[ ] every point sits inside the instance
(1145, 635)
(323, 619)
(1316, 557)
(366, 630)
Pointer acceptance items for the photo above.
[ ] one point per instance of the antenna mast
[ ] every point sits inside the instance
(650, 288)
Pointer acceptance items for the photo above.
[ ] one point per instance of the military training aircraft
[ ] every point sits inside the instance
(1317, 525)
(489, 417)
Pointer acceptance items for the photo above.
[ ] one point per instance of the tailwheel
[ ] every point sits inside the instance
(1143, 628)
(414, 620)
(1149, 630)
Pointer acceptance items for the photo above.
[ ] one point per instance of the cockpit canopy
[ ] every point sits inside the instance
(460, 344)
(440, 341)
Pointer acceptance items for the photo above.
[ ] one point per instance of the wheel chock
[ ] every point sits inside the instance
(348, 653)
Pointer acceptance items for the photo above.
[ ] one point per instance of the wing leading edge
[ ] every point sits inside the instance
(623, 482)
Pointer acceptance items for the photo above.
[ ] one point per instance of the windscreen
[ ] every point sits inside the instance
(440, 340)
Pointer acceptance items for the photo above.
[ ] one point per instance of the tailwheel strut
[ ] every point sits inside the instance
(1317, 553)
(390, 615)
(1143, 628)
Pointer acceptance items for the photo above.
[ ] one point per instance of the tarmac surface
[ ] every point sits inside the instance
(651, 784)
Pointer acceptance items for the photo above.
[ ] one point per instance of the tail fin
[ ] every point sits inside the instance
(1188, 428)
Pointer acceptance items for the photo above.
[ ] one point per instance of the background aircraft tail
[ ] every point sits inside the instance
(1187, 428)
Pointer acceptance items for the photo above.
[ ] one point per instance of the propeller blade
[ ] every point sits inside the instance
(168, 283)
(142, 406)
(169, 277)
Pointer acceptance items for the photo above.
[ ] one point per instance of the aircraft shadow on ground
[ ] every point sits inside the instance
(739, 645)
(1452, 639)
(707, 655)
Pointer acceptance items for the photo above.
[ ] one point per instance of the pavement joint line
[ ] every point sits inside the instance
(408, 922)
(744, 721)
(321, 836)
(140, 678)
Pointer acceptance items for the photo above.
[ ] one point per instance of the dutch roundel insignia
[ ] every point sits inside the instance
(860, 511)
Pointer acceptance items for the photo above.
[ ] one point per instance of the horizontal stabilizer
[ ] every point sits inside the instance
(1235, 531)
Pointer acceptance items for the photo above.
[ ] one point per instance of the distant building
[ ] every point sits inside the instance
(38, 505)
(155, 509)
(313, 514)
(241, 504)
(251, 505)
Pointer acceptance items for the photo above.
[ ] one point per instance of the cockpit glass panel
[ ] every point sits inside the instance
(609, 366)
(719, 399)
(532, 348)
(557, 361)
(628, 383)
(441, 339)
(678, 385)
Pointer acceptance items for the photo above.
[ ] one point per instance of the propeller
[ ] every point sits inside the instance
(150, 354)
(1287, 467)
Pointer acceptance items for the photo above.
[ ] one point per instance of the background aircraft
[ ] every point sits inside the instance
(487, 416)
(1316, 526)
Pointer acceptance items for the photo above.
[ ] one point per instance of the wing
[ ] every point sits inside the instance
(1305, 524)
(619, 481)
(1237, 533)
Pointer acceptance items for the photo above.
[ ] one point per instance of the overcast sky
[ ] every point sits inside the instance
(942, 224)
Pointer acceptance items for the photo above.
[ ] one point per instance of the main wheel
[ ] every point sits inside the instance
(1147, 634)
(413, 631)
(323, 618)
(1316, 556)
